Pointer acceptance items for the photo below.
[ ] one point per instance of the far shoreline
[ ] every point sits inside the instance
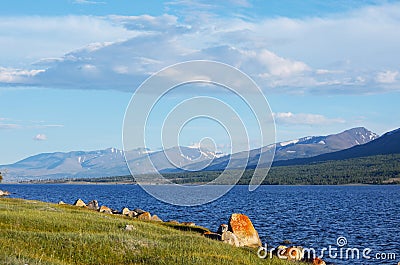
(186, 184)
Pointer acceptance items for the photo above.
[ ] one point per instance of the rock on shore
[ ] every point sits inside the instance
(105, 209)
(4, 193)
(239, 233)
(80, 203)
(241, 226)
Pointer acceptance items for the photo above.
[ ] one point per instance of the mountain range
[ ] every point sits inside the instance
(101, 163)
(110, 162)
(389, 143)
(297, 148)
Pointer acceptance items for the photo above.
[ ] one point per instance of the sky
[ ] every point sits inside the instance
(69, 68)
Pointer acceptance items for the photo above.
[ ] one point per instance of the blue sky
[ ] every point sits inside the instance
(68, 68)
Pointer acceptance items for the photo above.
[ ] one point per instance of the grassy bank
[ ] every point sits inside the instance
(33, 232)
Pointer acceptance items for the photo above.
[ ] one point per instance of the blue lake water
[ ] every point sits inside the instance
(310, 216)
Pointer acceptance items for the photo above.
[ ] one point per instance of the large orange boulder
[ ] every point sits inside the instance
(244, 230)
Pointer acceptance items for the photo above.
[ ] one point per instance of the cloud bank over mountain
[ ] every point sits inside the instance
(354, 52)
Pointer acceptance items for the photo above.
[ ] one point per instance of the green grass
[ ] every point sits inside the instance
(33, 232)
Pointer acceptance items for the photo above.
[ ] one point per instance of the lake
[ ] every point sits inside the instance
(309, 216)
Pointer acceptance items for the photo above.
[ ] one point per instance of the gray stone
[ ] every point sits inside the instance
(79, 203)
(125, 211)
(93, 205)
(227, 236)
(230, 238)
(132, 214)
(105, 209)
(129, 228)
(4, 193)
(155, 218)
(146, 216)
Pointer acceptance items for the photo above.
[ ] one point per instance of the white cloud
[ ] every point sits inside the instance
(281, 67)
(124, 66)
(18, 124)
(387, 77)
(27, 39)
(40, 137)
(363, 36)
(335, 54)
(290, 118)
(11, 75)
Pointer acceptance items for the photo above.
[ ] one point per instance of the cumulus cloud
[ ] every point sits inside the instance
(40, 137)
(15, 76)
(387, 77)
(333, 54)
(290, 118)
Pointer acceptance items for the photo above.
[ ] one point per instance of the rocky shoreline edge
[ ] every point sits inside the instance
(239, 231)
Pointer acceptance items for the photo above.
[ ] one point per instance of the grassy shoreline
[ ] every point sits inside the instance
(33, 232)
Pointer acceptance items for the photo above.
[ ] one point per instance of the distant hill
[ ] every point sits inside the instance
(316, 145)
(100, 163)
(388, 143)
